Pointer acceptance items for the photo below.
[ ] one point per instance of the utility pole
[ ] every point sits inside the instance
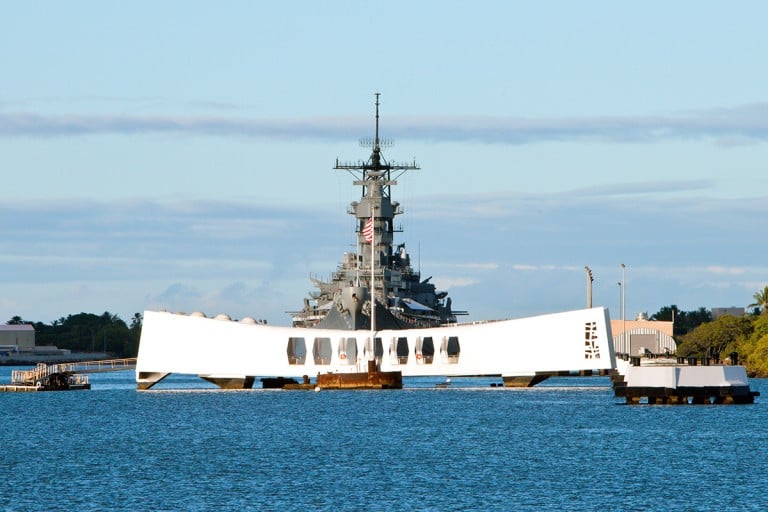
(621, 303)
(623, 310)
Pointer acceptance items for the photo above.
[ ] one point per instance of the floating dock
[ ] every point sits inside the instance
(673, 383)
(63, 376)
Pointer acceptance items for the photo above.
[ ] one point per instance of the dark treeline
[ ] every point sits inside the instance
(86, 332)
(685, 321)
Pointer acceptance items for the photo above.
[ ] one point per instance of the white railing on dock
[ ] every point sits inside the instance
(108, 365)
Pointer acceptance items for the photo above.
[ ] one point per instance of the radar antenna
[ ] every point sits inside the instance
(376, 169)
(376, 141)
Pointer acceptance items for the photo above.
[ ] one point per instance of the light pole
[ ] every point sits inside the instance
(589, 286)
(621, 303)
(623, 308)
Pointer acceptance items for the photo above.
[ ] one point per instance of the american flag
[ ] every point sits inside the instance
(368, 231)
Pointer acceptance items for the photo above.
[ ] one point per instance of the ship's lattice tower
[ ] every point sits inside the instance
(376, 176)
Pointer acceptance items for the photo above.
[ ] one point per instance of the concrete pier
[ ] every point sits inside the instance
(678, 384)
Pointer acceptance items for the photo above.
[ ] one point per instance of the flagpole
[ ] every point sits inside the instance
(373, 285)
(358, 262)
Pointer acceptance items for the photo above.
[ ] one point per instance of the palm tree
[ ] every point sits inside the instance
(761, 301)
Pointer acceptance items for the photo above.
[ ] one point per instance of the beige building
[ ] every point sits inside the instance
(635, 337)
(732, 311)
(17, 338)
(17, 345)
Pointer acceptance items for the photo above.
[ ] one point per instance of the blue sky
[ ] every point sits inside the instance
(179, 155)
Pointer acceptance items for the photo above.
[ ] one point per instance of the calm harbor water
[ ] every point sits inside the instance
(566, 444)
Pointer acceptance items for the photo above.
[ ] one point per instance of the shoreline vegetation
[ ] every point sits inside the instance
(747, 335)
(695, 332)
(89, 333)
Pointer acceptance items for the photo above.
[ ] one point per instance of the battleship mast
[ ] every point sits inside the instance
(376, 176)
(376, 286)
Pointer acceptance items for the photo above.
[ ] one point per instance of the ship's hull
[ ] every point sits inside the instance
(223, 349)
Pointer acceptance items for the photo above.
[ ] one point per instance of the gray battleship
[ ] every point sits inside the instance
(399, 299)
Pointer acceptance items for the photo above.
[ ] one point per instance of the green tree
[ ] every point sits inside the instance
(761, 301)
(135, 332)
(715, 338)
(136, 321)
(666, 314)
(86, 332)
(753, 351)
(685, 321)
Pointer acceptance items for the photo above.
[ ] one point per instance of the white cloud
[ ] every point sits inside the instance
(448, 283)
(744, 123)
(128, 256)
(732, 271)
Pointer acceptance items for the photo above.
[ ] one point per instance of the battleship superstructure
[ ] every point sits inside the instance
(379, 273)
(374, 312)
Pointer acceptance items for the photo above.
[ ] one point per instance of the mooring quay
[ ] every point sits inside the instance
(63, 376)
(666, 381)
